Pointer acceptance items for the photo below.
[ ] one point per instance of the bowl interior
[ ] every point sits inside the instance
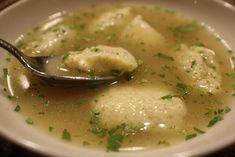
(25, 14)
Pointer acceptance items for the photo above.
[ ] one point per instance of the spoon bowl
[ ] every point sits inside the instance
(37, 66)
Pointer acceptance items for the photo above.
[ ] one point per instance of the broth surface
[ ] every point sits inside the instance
(66, 112)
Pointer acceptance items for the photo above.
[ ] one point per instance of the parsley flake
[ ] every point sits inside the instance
(29, 121)
(199, 131)
(190, 136)
(114, 142)
(95, 118)
(66, 135)
(168, 97)
(65, 56)
(214, 120)
(17, 108)
(163, 56)
(5, 72)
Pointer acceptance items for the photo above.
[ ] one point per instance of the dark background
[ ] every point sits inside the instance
(8, 149)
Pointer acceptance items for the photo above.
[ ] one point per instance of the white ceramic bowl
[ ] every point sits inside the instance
(23, 15)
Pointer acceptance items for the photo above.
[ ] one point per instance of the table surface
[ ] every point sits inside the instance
(8, 149)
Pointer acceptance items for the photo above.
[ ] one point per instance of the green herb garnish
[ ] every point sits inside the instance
(140, 62)
(29, 121)
(100, 132)
(66, 135)
(183, 88)
(17, 108)
(65, 56)
(191, 27)
(85, 143)
(79, 101)
(190, 136)
(5, 72)
(50, 128)
(193, 63)
(214, 120)
(95, 118)
(163, 56)
(163, 142)
(12, 98)
(46, 103)
(91, 74)
(199, 131)
(114, 142)
(168, 97)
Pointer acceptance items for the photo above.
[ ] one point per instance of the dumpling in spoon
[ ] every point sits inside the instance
(101, 60)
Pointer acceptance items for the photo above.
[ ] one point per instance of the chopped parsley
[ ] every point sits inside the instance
(216, 115)
(190, 136)
(114, 135)
(66, 135)
(5, 72)
(17, 108)
(230, 51)
(79, 101)
(140, 62)
(50, 128)
(114, 142)
(65, 56)
(163, 56)
(91, 74)
(131, 128)
(29, 121)
(168, 97)
(190, 27)
(46, 103)
(162, 75)
(95, 118)
(199, 131)
(100, 132)
(213, 121)
(11, 97)
(86, 38)
(193, 63)
(111, 37)
(8, 59)
(76, 47)
(163, 142)
(41, 113)
(182, 88)
(82, 26)
(85, 143)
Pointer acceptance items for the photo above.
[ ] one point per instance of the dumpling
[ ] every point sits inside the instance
(139, 104)
(119, 17)
(50, 40)
(138, 31)
(199, 68)
(102, 60)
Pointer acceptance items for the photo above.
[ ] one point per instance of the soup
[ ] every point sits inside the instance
(182, 86)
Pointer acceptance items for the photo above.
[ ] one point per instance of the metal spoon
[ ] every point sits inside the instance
(37, 66)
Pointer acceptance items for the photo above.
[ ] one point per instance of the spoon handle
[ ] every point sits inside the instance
(13, 50)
